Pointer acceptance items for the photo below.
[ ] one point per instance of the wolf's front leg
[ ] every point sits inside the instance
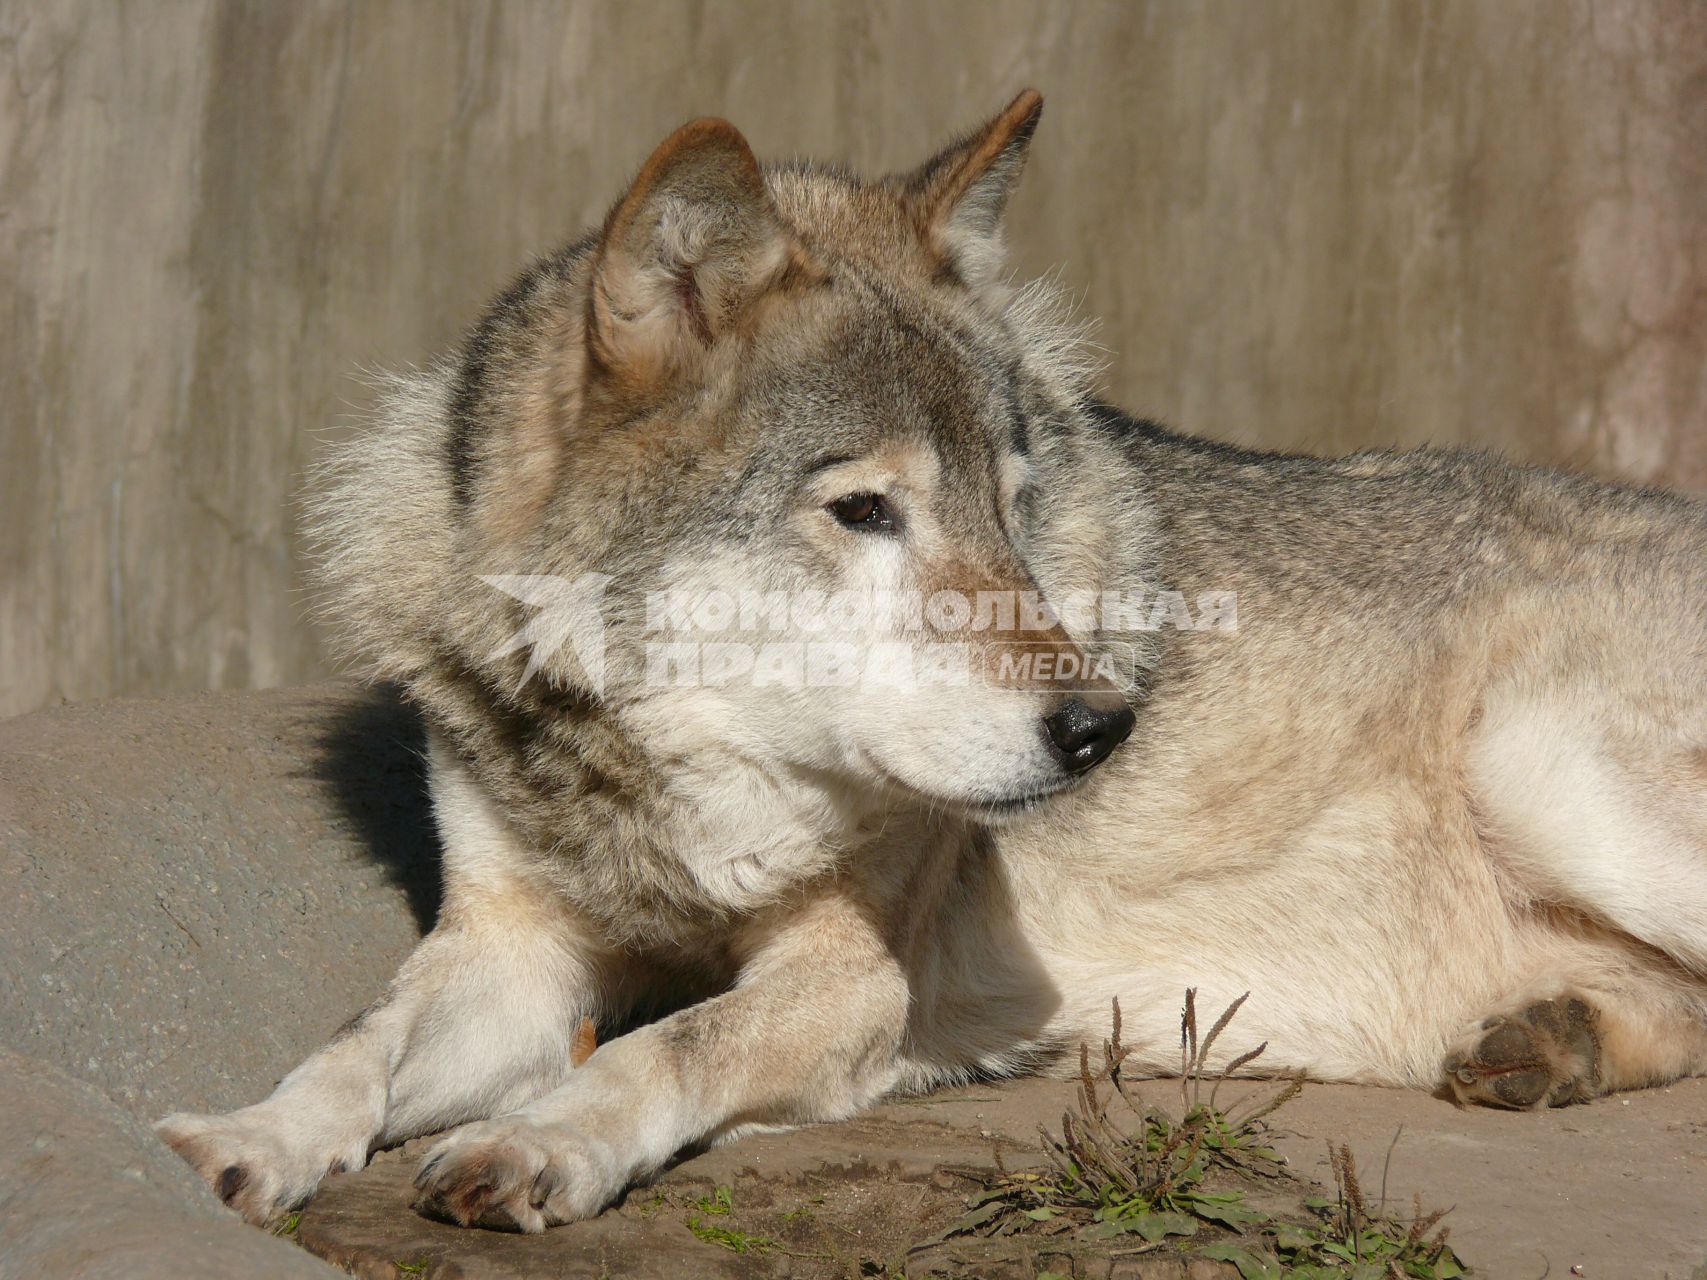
(478, 1021)
(810, 1031)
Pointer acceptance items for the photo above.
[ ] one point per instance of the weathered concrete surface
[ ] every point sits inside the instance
(1322, 225)
(88, 1191)
(197, 892)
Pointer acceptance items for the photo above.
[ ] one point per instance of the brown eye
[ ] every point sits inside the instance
(867, 512)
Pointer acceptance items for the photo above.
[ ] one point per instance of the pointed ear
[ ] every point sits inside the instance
(694, 241)
(958, 196)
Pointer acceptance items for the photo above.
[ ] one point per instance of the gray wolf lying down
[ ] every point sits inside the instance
(1412, 747)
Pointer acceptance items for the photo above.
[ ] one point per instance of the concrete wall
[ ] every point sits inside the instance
(1313, 223)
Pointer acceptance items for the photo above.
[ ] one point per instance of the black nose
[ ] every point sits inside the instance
(1084, 735)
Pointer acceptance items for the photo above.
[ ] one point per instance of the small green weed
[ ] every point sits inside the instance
(1124, 1168)
(729, 1237)
(1140, 1170)
(718, 1205)
(1347, 1242)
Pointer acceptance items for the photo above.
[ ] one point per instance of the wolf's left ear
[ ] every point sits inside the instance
(958, 196)
(694, 241)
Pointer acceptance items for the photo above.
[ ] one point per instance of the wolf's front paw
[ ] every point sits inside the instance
(514, 1174)
(1543, 1054)
(253, 1160)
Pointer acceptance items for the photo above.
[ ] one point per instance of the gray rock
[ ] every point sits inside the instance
(87, 1190)
(198, 891)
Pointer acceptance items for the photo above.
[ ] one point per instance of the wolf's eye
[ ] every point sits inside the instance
(867, 512)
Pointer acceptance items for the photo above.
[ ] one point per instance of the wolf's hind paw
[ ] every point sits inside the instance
(1544, 1054)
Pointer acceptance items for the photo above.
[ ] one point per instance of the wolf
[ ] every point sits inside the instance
(1432, 790)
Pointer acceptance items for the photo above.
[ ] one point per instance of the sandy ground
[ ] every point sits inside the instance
(1616, 1189)
(199, 890)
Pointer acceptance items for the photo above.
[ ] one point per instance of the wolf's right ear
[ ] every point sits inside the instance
(695, 240)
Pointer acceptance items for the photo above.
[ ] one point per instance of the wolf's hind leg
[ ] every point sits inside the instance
(478, 1022)
(1576, 1042)
(1586, 804)
(1614, 825)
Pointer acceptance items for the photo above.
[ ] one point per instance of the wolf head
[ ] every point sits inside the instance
(772, 390)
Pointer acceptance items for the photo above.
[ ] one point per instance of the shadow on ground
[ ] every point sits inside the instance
(372, 756)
